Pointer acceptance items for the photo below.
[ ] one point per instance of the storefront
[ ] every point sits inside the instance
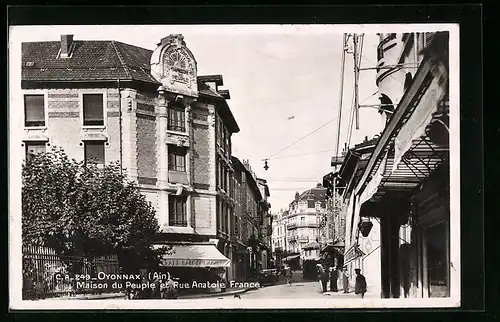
(405, 189)
(188, 263)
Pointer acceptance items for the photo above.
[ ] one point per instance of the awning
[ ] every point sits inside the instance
(352, 253)
(414, 128)
(289, 258)
(191, 255)
(373, 185)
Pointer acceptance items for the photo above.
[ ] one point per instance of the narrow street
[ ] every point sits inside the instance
(300, 288)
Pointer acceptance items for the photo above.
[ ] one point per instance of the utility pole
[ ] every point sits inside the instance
(356, 76)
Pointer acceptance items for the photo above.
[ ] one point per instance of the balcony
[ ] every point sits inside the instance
(303, 239)
(179, 139)
(383, 65)
(305, 225)
(178, 177)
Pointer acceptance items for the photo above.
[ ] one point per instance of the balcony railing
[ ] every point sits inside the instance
(305, 225)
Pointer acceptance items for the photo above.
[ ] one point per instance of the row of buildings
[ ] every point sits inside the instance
(386, 207)
(396, 186)
(169, 128)
(311, 224)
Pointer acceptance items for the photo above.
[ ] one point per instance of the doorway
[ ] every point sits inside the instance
(436, 243)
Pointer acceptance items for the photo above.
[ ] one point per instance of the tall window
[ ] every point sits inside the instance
(219, 131)
(176, 158)
(94, 152)
(33, 148)
(310, 204)
(177, 211)
(237, 227)
(93, 109)
(302, 221)
(34, 110)
(218, 173)
(222, 216)
(226, 141)
(176, 119)
(223, 137)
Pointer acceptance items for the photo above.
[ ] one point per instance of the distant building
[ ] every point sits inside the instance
(266, 224)
(279, 246)
(304, 222)
(251, 207)
(397, 188)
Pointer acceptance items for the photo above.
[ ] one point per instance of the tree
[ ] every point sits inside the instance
(82, 210)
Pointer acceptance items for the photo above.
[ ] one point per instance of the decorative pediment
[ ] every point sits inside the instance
(174, 66)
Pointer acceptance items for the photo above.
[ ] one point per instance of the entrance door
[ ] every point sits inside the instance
(436, 238)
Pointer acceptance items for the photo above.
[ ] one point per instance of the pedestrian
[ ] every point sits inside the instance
(360, 286)
(345, 280)
(323, 277)
(333, 279)
(170, 289)
(288, 274)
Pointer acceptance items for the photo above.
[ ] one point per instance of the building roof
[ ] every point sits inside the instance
(89, 60)
(103, 60)
(316, 194)
(249, 176)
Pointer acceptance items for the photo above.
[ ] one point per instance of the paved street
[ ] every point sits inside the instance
(298, 289)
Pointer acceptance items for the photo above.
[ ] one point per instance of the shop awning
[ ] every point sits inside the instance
(352, 253)
(289, 258)
(200, 255)
(414, 127)
(414, 156)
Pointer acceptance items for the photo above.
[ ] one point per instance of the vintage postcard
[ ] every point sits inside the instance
(234, 166)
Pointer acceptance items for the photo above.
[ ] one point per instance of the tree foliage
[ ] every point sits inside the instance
(84, 210)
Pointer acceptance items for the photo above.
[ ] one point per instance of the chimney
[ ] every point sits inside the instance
(66, 44)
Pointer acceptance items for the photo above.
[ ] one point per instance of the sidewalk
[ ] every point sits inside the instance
(106, 296)
(228, 292)
(351, 294)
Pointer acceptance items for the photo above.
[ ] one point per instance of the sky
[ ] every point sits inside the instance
(284, 82)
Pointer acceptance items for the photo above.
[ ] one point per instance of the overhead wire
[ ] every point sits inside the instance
(300, 139)
(301, 154)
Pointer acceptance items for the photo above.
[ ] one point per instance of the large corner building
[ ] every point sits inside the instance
(167, 126)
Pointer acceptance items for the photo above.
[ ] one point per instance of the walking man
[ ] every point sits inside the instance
(345, 280)
(323, 277)
(288, 275)
(333, 279)
(360, 287)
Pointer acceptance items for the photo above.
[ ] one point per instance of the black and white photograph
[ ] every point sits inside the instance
(234, 166)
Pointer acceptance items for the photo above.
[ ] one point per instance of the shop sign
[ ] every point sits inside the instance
(352, 253)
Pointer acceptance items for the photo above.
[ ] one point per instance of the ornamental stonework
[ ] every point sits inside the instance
(174, 66)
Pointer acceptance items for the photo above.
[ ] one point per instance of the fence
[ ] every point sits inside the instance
(46, 274)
